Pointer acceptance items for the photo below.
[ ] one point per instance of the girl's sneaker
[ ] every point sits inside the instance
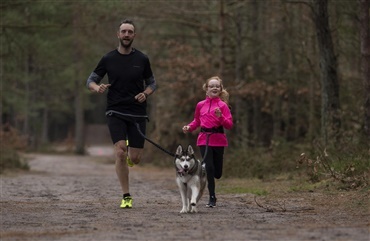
(212, 202)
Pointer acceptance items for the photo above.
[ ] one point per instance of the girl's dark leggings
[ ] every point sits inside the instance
(214, 159)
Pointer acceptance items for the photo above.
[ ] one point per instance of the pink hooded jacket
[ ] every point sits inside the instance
(205, 117)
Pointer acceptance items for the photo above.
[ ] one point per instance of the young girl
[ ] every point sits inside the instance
(212, 115)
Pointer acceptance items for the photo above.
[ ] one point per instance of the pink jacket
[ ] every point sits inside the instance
(205, 117)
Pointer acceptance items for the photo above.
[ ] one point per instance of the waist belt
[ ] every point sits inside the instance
(219, 129)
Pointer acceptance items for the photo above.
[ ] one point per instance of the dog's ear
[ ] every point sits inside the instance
(190, 150)
(179, 150)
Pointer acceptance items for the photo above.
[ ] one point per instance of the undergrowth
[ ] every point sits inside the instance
(11, 144)
(346, 167)
(349, 167)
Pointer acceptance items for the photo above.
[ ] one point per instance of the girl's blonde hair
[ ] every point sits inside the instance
(224, 95)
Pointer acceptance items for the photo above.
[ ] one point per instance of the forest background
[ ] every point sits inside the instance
(297, 73)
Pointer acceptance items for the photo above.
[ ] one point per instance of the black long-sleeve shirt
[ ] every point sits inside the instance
(128, 74)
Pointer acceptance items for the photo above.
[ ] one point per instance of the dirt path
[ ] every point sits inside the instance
(76, 198)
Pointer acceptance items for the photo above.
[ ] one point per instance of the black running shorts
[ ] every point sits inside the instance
(121, 129)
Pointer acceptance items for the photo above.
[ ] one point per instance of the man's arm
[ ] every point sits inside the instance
(150, 86)
(93, 83)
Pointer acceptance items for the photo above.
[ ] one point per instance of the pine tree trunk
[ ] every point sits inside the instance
(222, 33)
(45, 126)
(330, 109)
(365, 63)
(79, 112)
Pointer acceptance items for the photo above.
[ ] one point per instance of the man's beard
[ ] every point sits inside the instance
(126, 46)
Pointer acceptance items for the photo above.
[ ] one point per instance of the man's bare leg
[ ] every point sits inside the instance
(122, 169)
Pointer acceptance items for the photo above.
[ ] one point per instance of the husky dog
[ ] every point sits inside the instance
(190, 177)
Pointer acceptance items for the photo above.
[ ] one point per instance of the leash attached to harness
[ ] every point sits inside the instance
(209, 132)
(132, 119)
(155, 144)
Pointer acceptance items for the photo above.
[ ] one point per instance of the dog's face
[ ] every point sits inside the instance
(184, 159)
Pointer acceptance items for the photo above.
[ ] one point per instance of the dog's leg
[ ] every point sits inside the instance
(183, 191)
(194, 195)
(188, 198)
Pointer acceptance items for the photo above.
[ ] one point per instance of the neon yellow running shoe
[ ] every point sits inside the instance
(128, 160)
(126, 202)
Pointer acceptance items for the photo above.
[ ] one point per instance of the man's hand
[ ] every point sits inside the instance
(101, 88)
(141, 97)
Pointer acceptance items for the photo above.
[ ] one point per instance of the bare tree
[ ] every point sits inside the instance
(365, 62)
(330, 109)
(79, 112)
(222, 38)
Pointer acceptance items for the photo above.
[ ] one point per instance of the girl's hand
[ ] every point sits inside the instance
(218, 112)
(185, 129)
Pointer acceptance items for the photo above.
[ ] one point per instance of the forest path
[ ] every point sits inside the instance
(67, 197)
